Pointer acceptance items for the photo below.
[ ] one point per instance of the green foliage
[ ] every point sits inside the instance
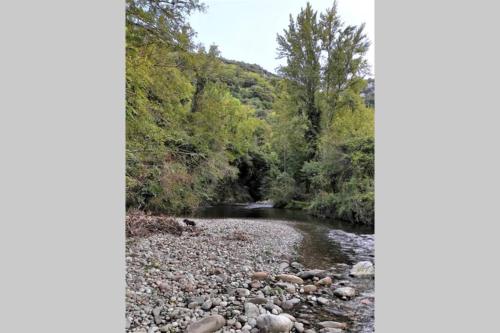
(344, 177)
(322, 127)
(288, 136)
(250, 84)
(368, 93)
(201, 129)
(185, 130)
(283, 190)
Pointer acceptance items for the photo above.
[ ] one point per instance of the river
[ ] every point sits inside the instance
(326, 242)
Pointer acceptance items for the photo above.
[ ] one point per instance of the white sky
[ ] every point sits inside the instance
(246, 30)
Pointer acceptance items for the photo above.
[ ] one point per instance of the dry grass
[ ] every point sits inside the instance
(140, 224)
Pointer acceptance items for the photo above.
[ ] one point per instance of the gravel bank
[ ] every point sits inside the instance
(233, 275)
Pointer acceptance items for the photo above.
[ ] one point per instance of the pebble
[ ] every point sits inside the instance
(290, 278)
(310, 288)
(207, 324)
(204, 283)
(363, 269)
(260, 275)
(345, 292)
(326, 281)
(332, 324)
(269, 323)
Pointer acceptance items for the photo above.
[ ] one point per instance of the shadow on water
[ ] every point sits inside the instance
(326, 242)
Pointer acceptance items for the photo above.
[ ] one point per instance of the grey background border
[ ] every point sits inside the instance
(437, 166)
(62, 176)
(62, 158)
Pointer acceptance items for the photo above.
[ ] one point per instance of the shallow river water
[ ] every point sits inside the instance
(326, 242)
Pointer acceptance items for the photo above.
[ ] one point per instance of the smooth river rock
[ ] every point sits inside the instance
(269, 323)
(242, 292)
(258, 300)
(363, 269)
(344, 292)
(310, 288)
(332, 324)
(287, 305)
(326, 281)
(290, 278)
(330, 330)
(251, 310)
(312, 273)
(207, 325)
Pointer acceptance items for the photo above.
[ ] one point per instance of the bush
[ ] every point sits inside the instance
(140, 224)
(344, 178)
(323, 205)
(282, 190)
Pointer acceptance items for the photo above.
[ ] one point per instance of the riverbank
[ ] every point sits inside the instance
(293, 211)
(237, 275)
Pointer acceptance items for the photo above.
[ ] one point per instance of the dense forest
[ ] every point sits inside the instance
(202, 129)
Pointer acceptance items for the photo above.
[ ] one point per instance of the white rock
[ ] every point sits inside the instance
(344, 292)
(269, 323)
(251, 310)
(363, 269)
(207, 325)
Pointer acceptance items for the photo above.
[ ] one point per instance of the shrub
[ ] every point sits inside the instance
(140, 224)
(282, 190)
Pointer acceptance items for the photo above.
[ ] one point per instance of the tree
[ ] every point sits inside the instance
(344, 48)
(324, 77)
(300, 45)
(161, 21)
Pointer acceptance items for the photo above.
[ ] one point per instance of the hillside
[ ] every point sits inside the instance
(251, 84)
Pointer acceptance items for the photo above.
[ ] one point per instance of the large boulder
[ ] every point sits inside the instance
(268, 323)
(207, 325)
(363, 269)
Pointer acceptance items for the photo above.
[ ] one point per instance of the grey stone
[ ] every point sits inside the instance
(312, 273)
(344, 292)
(251, 310)
(207, 325)
(363, 269)
(330, 330)
(287, 305)
(242, 292)
(323, 301)
(332, 324)
(299, 327)
(207, 305)
(290, 278)
(269, 323)
(258, 300)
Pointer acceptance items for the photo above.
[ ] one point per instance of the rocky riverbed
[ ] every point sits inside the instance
(237, 275)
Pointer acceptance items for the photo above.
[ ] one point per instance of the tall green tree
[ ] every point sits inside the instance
(300, 45)
(344, 49)
(324, 76)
